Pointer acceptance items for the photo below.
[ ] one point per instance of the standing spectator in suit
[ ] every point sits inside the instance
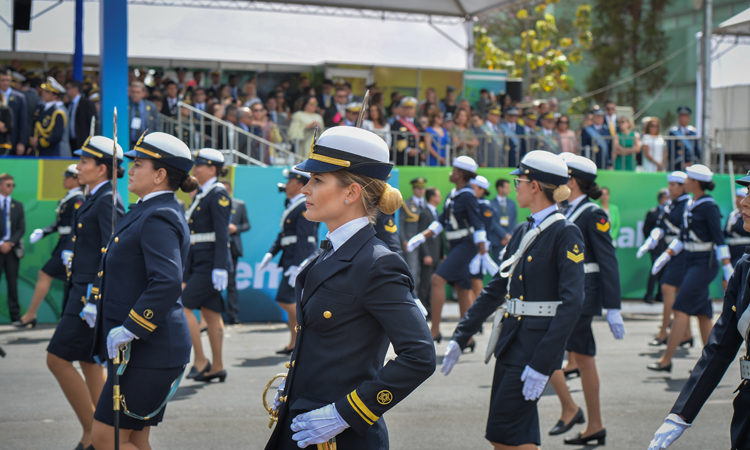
(516, 146)
(334, 115)
(649, 223)
(215, 88)
(410, 215)
(549, 139)
(169, 107)
(596, 140)
(233, 82)
(17, 101)
(325, 98)
(6, 127)
(12, 229)
(181, 74)
(144, 116)
(80, 112)
(238, 224)
(610, 108)
(506, 214)
(448, 104)
(51, 136)
(28, 89)
(431, 253)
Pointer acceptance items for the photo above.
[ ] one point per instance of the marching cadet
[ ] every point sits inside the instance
(702, 239)
(683, 151)
(297, 240)
(414, 218)
(668, 228)
(138, 306)
(481, 187)
(207, 269)
(465, 234)
(541, 284)
(92, 228)
(597, 141)
(354, 298)
(409, 144)
(63, 225)
(602, 290)
(51, 122)
(727, 336)
(737, 238)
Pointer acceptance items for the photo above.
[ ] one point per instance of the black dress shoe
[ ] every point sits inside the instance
(194, 370)
(285, 351)
(571, 373)
(657, 367)
(563, 427)
(79, 447)
(648, 300)
(19, 324)
(657, 342)
(221, 375)
(600, 438)
(438, 338)
(471, 346)
(687, 343)
(90, 447)
(204, 329)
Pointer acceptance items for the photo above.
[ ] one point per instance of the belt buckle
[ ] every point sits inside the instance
(511, 307)
(745, 368)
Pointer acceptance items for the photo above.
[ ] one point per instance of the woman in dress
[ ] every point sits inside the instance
(303, 124)
(653, 146)
(465, 142)
(627, 145)
(436, 139)
(568, 142)
(376, 123)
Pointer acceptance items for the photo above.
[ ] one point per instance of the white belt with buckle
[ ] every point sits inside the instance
(288, 240)
(745, 368)
(518, 307)
(202, 237)
(699, 246)
(458, 234)
(62, 231)
(591, 268)
(738, 241)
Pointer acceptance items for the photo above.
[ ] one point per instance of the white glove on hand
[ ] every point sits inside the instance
(616, 324)
(451, 357)
(534, 383)
(66, 255)
(317, 426)
(660, 262)
(277, 397)
(728, 271)
(488, 265)
(415, 242)
(117, 337)
(476, 264)
(36, 235)
(292, 271)
(671, 429)
(264, 262)
(220, 279)
(89, 314)
(650, 244)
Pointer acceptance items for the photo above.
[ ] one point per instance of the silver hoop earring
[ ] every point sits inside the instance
(346, 202)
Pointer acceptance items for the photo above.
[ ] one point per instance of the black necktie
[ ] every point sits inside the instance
(2, 219)
(531, 221)
(325, 244)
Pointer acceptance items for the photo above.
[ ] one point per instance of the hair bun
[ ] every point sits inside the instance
(189, 183)
(390, 200)
(561, 193)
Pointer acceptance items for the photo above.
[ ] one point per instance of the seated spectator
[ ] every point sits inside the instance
(627, 145)
(568, 141)
(462, 134)
(376, 123)
(303, 125)
(436, 139)
(653, 146)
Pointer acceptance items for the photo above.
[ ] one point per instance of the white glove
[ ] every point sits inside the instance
(488, 265)
(436, 227)
(220, 279)
(66, 255)
(292, 271)
(476, 264)
(266, 259)
(421, 307)
(415, 242)
(89, 314)
(118, 337)
(277, 397)
(317, 426)
(660, 262)
(36, 235)
(451, 357)
(671, 429)
(650, 244)
(534, 383)
(728, 271)
(614, 318)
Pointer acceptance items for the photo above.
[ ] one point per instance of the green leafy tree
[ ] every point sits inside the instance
(528, 42)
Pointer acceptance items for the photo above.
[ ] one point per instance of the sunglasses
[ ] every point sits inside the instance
(258, 110)
(10, 185)
(517, 182)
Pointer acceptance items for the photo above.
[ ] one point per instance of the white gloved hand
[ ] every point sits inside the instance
(451, 357)
(277, 398)
(476, 264)
(220, 279)
(89, 314)
(534, 383)
(488, 265)
(616, 324)
(660, 262)
(292, 272)
(671, 429)
(317, 426)
(36, 235)
(650, 244)
(66, 255)
(117, 337)
(415, 242)
(436, 227)
(264, 262)
(728, 271)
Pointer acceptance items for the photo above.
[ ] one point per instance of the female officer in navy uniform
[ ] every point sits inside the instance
(138, 304)
(92, 228)
(206, 270)
(481, 187)
(541, 283)
(464, 231)
(737, 238)
(354, 298)
(602, 287)
(297, 240)
(63, 225)
(702, 240)
(727, 336)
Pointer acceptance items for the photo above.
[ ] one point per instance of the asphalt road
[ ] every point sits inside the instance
(445, 413)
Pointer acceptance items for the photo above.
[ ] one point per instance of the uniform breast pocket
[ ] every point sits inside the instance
(328, 310)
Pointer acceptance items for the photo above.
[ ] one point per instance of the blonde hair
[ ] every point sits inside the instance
(376, 194)
(554, 193)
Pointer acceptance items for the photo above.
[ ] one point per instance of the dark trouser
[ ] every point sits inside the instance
(653, 280)
(233, 306)
(424, 290)
(9, 265)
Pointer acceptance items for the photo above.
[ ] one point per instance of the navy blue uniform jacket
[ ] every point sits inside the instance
(64, 217)
(355, 302)
(295, 224)
(683, 151)
(702, 221)
(465, 208)
(550, 270)
(141, 284)
(671, 219)
(736, 236)
(211, 216)
(601, 152)
(387, 231)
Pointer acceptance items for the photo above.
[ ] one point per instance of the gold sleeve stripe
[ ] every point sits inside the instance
(94, 290)
(141, 321)
(354, 407)
(360, 407)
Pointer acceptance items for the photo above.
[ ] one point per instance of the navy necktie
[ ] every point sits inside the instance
(531, 221)
(3, 211)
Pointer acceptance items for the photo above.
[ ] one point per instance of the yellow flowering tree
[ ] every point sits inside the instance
(530, 43)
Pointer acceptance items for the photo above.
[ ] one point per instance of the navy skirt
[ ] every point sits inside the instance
(285, 293)
(55, 268)
(73, 339)
(694, 298)
(512, 420)
(674, 273)
(581, 340)
(199, 292)
(455, 268)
